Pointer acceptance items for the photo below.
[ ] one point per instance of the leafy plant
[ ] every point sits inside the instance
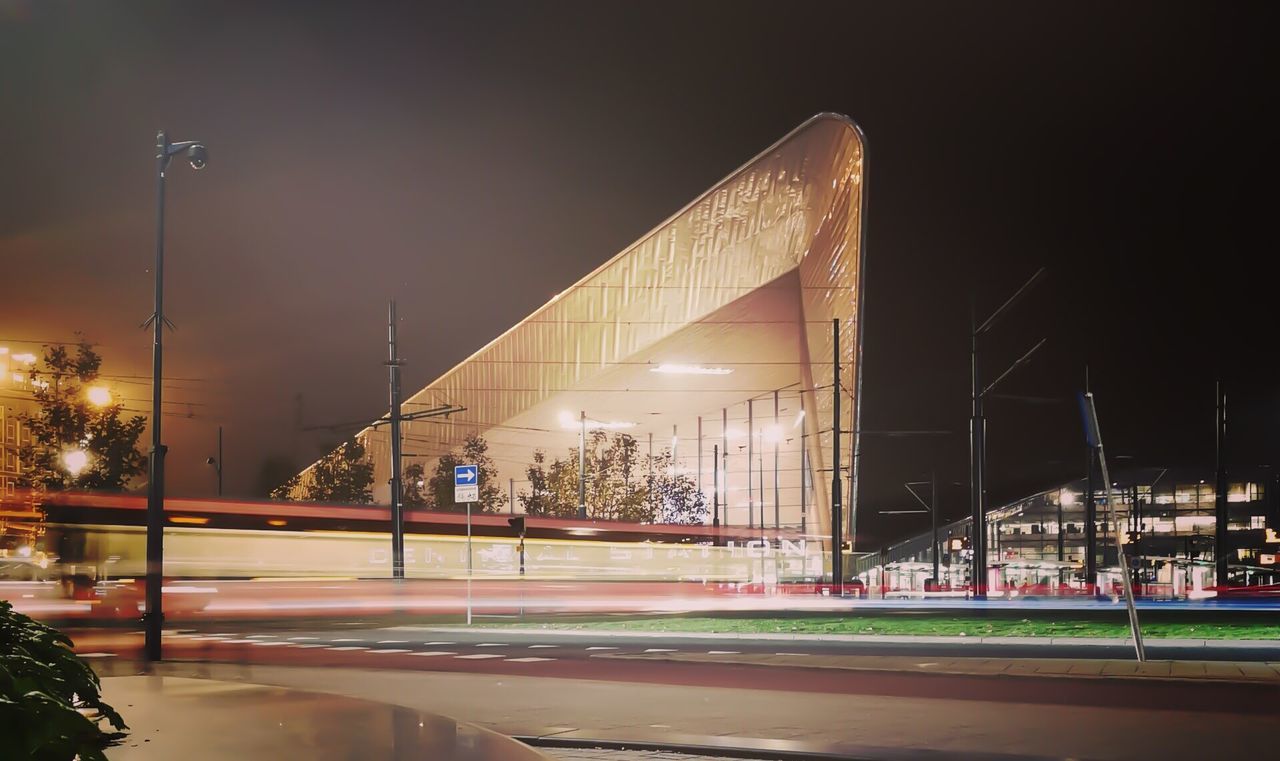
(51, 705)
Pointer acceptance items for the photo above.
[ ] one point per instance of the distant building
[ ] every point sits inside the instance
(18, 519)
(1165, 517)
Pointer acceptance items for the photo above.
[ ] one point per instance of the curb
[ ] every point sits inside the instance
(891, 639)
(728, 746)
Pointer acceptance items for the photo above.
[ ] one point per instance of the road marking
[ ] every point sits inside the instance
(240, 641)
(435, 652)
(796, 654)
(435, 644)
(340, 649)
(347, 639)
(259, 636)
(300, 639)
(528, 660)
(724, 652)
(537, 647)
(492, 644)
(309, 646)
(598, 647)
(389, 650)
(393, 642)
(260, 643)
(96, 655)
(478, 656)
(660, 650)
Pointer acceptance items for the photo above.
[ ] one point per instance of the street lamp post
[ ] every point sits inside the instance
(153, 621)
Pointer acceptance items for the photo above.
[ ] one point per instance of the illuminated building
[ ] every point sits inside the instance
(711, 334)
(1167, 522)
(18, 519)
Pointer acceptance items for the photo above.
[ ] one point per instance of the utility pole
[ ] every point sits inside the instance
(933, 521)
(219, 461)
(837, 501)
(751, 438)
(1221, 549)
(582, 468)
(777, 437)
(715, 485)
(978, 435)
(397, 509)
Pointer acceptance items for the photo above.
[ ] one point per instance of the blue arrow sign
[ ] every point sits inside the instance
(465, 475)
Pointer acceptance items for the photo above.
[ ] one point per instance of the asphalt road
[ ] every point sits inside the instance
(630, 659)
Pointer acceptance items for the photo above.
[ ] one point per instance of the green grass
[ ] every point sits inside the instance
(923, 626)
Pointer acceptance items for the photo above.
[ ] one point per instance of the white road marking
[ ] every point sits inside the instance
(492, 644)
(598, 647)
(435, 652)
(538, 647)
(240, 641)
(723, 652)
(309, 646)
(528, 660)
(349, 647)
(271, 644)
(389, 650)
(259, 636)
(347, 639)
(478, 656)
(661, 650)
(435, 644)
(300, 639)
(393, 642)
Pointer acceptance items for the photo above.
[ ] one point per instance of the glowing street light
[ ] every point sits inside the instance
(99, 396)
(75, 460)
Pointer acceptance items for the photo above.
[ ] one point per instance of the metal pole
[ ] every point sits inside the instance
(1090, 529)
(804, 483)
(219, 461)
(777, 433)
(837, 496)
(977, 496)
(933, 519)
(397, 508)
(511, 496)
(1221, 550)
(1134, 627)
(700, 460)
(751, 501)
(154, 618)
(715, 486)
(723, 462)
(582, 468)
(468, 564)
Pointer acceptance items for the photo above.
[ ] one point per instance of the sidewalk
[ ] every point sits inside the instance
(868, 726)
(197, 719)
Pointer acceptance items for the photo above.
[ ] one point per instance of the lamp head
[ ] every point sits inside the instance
(198, 156)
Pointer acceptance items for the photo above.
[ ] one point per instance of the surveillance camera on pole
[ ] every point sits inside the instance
(198, 158)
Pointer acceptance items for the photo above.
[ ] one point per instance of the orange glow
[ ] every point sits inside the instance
(277, 522)
(189, 519)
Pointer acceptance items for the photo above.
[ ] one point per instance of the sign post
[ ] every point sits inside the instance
(466, 488)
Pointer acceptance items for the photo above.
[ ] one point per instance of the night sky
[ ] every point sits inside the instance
(473, 159)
